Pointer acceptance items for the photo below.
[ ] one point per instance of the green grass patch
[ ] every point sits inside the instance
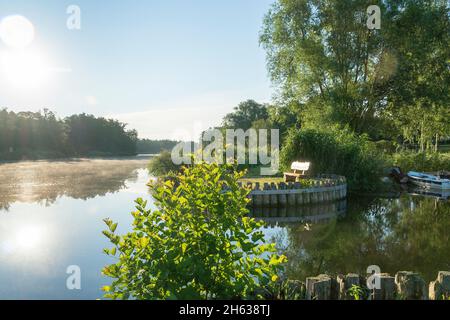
(262, 180)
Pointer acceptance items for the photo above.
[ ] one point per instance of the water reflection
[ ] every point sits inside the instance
(46, 181)
(284, 216)
(28, 237)
(430, 193)
(408, 233)
(38, 243)
(55, 212)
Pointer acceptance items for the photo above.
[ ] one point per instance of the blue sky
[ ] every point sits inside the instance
(160, 65)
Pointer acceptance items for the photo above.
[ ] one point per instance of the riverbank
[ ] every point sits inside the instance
(81, 158)
(275, 193)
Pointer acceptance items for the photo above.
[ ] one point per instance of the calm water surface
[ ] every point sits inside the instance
(51, 217)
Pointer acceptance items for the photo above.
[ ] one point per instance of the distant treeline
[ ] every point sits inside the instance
(38, 135)
(154, 146)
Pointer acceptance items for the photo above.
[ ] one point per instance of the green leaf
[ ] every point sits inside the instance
(113, 227)
(143, 242)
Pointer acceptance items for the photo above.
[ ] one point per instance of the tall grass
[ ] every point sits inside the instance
(336, 151)
(422, 161)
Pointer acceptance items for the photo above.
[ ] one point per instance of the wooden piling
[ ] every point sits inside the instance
(324, 190)
(273, 197)
(266, 197)
(282, 199)
(257, 199)
(320, 197)
(306, 197)
(291, 196)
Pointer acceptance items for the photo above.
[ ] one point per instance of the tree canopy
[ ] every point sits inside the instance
(388, 82)
(34, 135)
(245, 114)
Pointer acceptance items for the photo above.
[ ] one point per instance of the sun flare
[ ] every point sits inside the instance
(16, 31)
(25, 69)
(21, 66)
(29, 237)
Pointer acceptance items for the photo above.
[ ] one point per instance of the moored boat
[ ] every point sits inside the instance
(429, 180)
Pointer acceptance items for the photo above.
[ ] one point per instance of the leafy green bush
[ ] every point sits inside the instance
(335, 151)
(199, 244)
(358, 293)
(162, 164)
(286, 290)
(421, 161)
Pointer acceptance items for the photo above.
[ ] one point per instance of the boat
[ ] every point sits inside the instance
(429, 181)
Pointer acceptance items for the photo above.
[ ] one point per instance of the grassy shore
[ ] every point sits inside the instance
(262, 180)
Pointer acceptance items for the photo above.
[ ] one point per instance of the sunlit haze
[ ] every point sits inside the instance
(160, 66)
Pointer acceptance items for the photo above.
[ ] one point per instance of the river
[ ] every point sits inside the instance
(51, 218)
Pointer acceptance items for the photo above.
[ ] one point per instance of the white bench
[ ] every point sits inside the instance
(299, 169)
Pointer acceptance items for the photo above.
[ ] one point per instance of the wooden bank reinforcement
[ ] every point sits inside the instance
(280, 194)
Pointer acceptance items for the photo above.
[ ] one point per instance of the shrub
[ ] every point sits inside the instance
(421, 161)
(199, 244)
(335, 151)
(162, 164)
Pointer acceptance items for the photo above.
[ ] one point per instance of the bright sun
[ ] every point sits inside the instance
(21, 66)
(16, 31)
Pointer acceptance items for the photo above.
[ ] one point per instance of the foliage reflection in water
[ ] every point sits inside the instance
(406, 233)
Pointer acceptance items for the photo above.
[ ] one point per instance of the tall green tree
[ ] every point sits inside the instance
(418, 99)
(88, 134)
(324, 59)
(245, 114)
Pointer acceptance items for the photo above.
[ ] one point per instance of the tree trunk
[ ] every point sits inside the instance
(422, 137)
(436, 145)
